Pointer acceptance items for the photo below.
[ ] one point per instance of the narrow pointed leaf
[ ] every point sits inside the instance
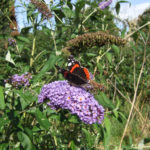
(2, 101)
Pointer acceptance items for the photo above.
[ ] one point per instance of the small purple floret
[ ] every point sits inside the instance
(102, 5)
(75, 99)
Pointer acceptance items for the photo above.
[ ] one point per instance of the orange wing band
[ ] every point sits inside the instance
(87, 74)
(75, 66)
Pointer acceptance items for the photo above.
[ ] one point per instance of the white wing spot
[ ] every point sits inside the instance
(69, 64)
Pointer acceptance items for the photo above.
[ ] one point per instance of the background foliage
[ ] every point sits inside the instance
(123, 70)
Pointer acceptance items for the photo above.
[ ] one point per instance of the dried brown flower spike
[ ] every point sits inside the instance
(13, 24)
(42, 8)
(88, 40)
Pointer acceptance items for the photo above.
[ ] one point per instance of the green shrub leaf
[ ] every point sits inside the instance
(25, 141)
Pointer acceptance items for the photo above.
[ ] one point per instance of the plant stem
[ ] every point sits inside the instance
(99, 58)
(53, 36)
(89, 16)
(58, 18)
(137, 30)
(32, 52)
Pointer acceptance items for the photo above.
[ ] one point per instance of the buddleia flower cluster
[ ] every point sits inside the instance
(78, 101)
(102, 5)
(11, 42)
(42, 8)
(22, 80)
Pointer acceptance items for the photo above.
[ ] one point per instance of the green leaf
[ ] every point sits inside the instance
(36, 129)
(42, 120)
(54, 8)
(49, 65)
(25, 141)
(127, 147)
(107, 124)
(29, 13)
(115, 112)
(69, 4)
(9, 58)
(26, 98)
(116, 49)
(122, 115)
(131, 141)
(143, 35)
(104, 100)
(146, 140)
(91, 54)
(68, 12)
(96, 127)
(73, 119)
(73, 146)
(25, 30)
(23, 39)
(79, 5)
(123, 32)
(100, 68)
(4, 146)
(89, 138)
(4, 120)
(73, 36)
(117, 7)
(109, 57)
(2, 101)
(40, 55)
(29, 132)
(107, 133)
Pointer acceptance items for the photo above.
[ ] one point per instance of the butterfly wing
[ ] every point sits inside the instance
(75, 79)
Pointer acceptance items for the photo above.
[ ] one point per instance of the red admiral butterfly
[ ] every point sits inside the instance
(77, 74)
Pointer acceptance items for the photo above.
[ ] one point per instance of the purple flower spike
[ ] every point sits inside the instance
(75, 99)
(102, 5)
(17, 80)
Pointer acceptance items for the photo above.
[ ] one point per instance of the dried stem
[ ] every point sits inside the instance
(134, 97)
(134, 69)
